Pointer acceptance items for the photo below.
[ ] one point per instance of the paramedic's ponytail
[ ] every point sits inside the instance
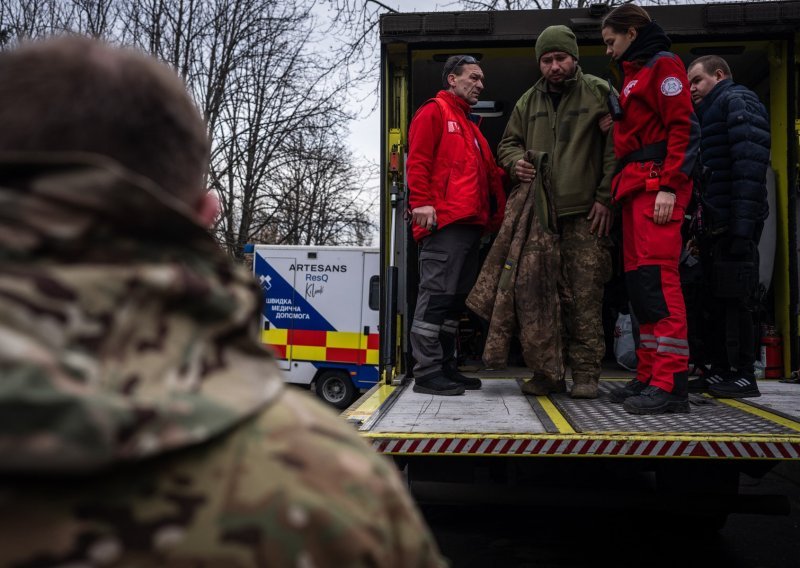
(624, 17)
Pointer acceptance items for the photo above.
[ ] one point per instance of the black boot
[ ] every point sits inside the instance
(437, 383)
(653, 400)
(451, 372)
(680, 385)
(629, 389)
(470, 383)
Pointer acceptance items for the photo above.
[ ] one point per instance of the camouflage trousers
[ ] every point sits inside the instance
(559, 296)
(585, 268)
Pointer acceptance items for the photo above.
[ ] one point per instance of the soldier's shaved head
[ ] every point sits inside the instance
(74, 94)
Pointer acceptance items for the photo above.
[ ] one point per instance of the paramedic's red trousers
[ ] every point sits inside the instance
(650, 254)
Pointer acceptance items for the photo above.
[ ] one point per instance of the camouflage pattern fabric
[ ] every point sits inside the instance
(142, 423)
(124, 329)
(585, 268)
(291, 487)
(517, 289)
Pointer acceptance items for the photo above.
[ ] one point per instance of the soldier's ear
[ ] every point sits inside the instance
(207, 208)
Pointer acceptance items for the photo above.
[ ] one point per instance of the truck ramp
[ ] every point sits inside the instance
(500, 420)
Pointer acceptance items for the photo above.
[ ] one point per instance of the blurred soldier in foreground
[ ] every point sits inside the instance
(141, 423)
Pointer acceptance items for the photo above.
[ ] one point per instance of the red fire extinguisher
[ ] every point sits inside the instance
(771, 353)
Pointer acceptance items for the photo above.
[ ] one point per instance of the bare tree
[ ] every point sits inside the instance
(21, 19)
(96, 18)
(480, 5)
(280, 89)
(263, 81)
(355, 23)
(323, 195)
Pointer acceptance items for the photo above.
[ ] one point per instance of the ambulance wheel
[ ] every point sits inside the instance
(336, 388)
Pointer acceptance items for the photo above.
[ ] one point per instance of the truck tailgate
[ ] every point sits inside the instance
(500, 420)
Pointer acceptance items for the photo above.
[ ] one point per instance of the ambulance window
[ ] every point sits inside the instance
(374, 293)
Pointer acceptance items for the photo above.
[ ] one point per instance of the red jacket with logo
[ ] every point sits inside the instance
(657, 106)
(451, 167)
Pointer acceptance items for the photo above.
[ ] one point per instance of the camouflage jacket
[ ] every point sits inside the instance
(517, 288)
(141, 421)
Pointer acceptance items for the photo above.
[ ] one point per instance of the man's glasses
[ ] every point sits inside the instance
(463, 60)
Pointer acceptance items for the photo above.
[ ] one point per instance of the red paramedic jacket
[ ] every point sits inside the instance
(451, 167)
(657, 106)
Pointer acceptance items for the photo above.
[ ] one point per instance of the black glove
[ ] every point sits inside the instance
(739, 246)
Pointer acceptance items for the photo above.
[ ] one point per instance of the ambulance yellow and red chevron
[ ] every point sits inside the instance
(330, 346)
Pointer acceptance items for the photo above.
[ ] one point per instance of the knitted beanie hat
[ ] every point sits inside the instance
(556, 38)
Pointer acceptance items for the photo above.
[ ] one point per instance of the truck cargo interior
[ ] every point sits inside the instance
(509, 72)
(434, 438)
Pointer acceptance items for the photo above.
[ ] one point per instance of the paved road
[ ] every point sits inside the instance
(581, 526)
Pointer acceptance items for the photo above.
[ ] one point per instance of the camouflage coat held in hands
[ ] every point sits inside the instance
(517, 289)
(141, 421)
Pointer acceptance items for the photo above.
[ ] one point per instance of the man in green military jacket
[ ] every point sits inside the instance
(565, 115)
(141, 421)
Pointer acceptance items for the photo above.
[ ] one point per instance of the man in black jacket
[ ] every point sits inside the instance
(734, 151)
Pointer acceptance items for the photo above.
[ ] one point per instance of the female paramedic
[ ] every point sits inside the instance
(656, 139)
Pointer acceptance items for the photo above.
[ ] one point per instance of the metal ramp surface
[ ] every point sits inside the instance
(707, 416)
(500, 420)
(498, 406)
(780, 398)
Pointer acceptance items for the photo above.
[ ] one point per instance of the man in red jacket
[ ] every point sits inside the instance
(456, 195)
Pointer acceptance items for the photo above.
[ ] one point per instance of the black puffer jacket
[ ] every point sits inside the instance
(734, 147)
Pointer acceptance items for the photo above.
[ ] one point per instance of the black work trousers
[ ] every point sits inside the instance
(731, 336)
(448, 267)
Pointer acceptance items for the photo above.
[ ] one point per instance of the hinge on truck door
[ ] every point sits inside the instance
(797, 157)
(396, 194)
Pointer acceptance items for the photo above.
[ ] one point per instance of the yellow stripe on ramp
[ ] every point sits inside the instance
(555, 415)
(765, 414)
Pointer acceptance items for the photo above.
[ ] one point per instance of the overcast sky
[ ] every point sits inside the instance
(365, 133)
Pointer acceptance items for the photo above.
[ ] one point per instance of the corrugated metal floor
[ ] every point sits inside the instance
(707, 415)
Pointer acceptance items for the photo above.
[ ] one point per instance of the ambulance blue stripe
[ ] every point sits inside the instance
(365, 375)
(284, 307)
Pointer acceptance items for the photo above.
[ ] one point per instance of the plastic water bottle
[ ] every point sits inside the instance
(758, 369)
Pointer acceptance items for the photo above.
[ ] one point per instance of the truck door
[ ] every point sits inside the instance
(370, 308)
(335, 292)
(278, 283)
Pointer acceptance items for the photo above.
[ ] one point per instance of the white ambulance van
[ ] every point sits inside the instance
(320, 316)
